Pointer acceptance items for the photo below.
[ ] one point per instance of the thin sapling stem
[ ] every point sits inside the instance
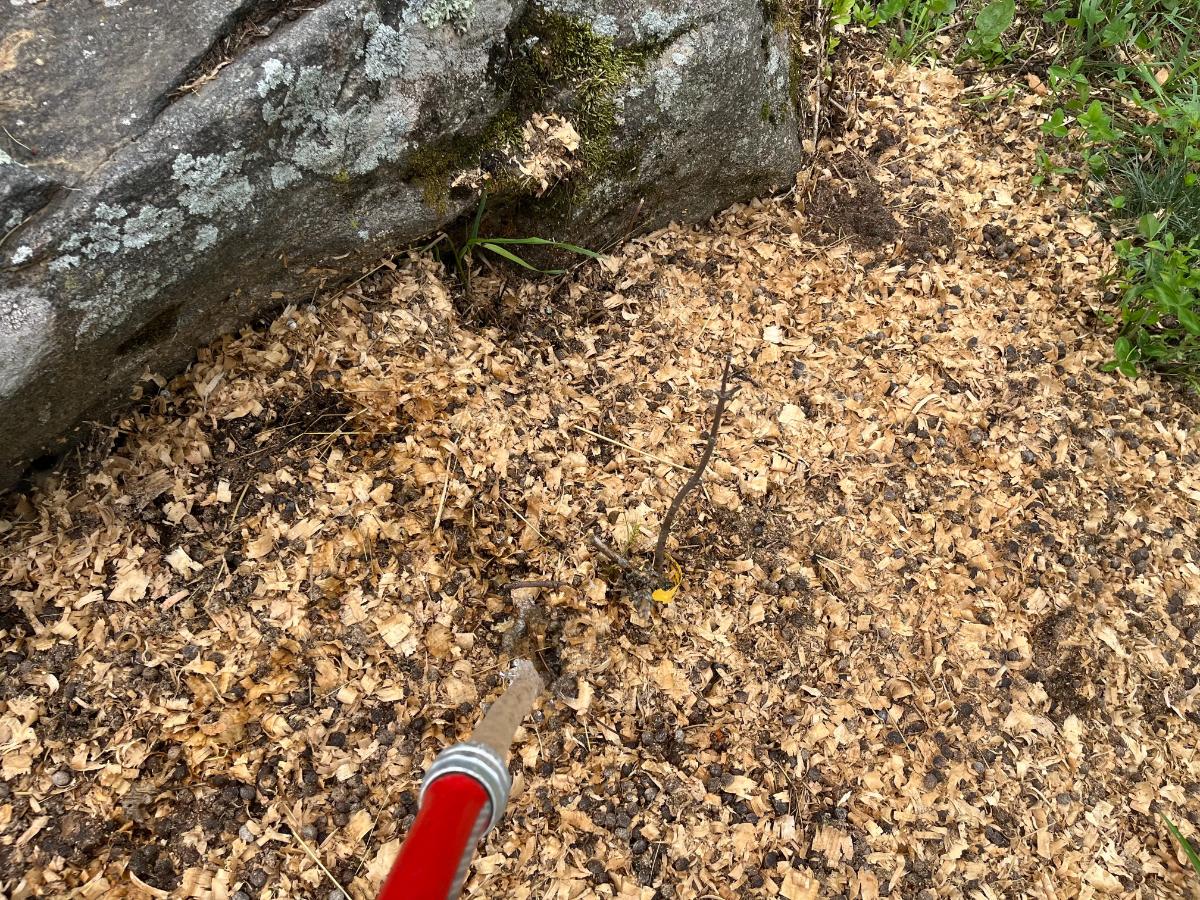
(724, 395)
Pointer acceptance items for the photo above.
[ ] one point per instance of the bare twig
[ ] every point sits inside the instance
(535, 529)
(517, 585)
(357, 281)
(612, 554)
(724, 395)
(657, 459)
(313, 856)
(237, 508)
(17, 142)
(437, 520)
(15, 228)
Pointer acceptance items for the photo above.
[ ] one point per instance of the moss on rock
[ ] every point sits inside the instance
(566, 65)
(559, 64)
(791, 18)
(434, 165)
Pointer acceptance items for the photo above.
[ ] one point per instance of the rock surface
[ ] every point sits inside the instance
(165, 176)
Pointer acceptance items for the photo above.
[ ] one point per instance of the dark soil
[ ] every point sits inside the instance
(853, 208)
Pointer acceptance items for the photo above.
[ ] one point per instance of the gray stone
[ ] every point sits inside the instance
(166, 175)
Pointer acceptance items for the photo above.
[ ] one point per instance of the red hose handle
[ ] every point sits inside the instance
(433, 861)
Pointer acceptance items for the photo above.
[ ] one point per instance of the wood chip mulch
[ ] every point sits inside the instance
(937, 635)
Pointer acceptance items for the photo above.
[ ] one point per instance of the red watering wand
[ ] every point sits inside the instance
(463, 796)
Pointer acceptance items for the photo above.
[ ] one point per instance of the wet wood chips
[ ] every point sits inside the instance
(937, 633)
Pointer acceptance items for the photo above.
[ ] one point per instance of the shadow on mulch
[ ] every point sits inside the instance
(853, 206)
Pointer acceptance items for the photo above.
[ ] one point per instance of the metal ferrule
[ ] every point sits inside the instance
(483, 764)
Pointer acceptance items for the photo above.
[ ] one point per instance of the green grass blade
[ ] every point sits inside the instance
(462, 266)
(1193, 857)
(543, 242)
(512, 257)
(437, 240)
(478, 220)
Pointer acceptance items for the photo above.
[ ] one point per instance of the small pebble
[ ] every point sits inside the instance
(246, 834)
(61, 778)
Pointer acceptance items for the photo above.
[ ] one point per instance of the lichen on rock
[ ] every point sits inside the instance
(206, 236)
(102, 237)
(656, 25)
(64, 262)
(283, 174)
(387, 51)
(149, 226)
(26, 325)
(435, 13)
(317, 134)
(212, 184)
(668, 76)
(276, 73)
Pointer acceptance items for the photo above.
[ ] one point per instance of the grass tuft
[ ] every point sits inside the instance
(1124, 109)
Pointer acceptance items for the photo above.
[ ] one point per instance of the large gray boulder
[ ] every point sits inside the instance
(169, 170)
